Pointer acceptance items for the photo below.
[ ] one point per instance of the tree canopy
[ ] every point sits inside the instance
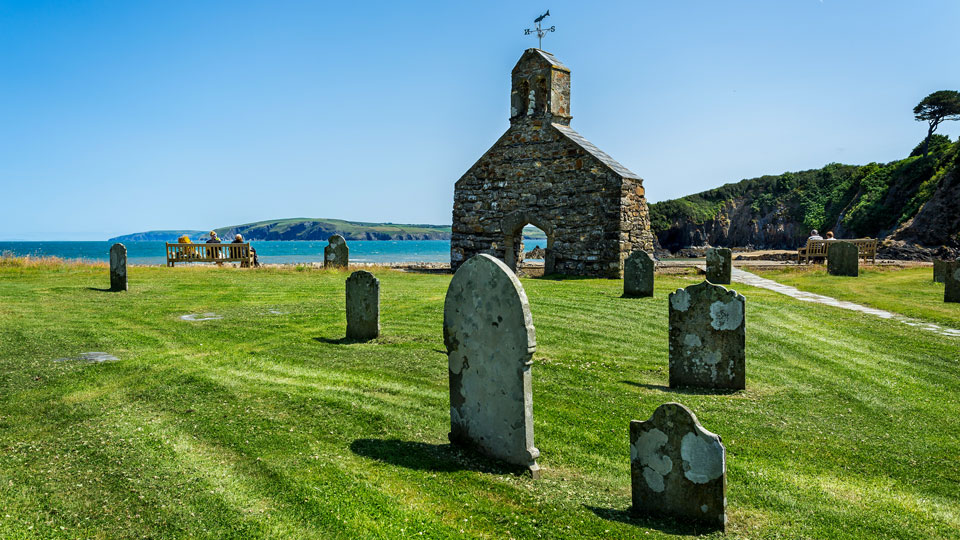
(935, 108)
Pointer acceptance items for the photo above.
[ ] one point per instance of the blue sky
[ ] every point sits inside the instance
(119, 117)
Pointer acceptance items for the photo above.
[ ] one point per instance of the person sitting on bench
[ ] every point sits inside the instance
(235, 253)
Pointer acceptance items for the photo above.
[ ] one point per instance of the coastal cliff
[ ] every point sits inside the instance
(912, 204)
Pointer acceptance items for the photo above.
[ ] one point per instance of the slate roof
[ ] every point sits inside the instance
(578, 139)
(552, 59)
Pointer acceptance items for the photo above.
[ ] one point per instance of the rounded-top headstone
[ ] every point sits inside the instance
(843, 259)
(118, 267)
(336, 254)
(677, 468)
(638, 275)
(719, 265)
(363, 306)
(707, 337)
(490, 340)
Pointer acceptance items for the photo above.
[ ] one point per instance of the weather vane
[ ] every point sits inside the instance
(540, 31)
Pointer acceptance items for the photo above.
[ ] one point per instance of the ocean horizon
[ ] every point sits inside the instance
(268, 251)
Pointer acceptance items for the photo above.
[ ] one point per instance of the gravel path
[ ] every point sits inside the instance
(742, 276)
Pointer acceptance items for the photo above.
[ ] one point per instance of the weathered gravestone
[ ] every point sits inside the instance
(363, 306)
(939, 271)
(118, 267)
(336, 254)
(638, 274)
(490, 341)
(843, 259)
(677, 468)
(719, 266)
(707, 337)
(951, 282)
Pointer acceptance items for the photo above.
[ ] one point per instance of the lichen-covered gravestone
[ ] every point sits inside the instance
(951, 282)
(843, 259)
(939, 271)
(363, 306)
(638, 274)
(707, 337)
(677, 468)
(719, 266)
(490, 341)
(336, 254)
(118, 267)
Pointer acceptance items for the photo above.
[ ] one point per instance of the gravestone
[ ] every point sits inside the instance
(707, 337)
(638, 274)
(719, 266)
(677, 468)
(336, 254)
(118, 267)
(363, 306)
(951, 282)
(939, 271)
(843, 259)
(490, 341)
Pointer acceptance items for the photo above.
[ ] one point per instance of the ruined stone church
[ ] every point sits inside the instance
(543, 173)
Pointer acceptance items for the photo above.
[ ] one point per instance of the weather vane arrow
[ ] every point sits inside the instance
(540, 31)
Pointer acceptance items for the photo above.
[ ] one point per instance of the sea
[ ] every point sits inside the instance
(269, 252)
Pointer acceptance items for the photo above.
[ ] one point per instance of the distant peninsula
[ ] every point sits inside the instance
(301, 229)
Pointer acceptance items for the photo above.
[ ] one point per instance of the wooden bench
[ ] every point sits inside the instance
(866, 248)
(215, 253)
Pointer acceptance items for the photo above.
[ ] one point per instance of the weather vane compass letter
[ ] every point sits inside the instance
(540, 31)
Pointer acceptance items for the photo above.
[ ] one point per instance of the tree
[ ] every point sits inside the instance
(935, 108)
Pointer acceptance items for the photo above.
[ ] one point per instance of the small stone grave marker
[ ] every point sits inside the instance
(90, 358)
(951, 282)
(363, 306)
(490, 340)
(638, 275)
(843, 259)
(939, 271)
(336, 254)
(719, 265)
(707, 337)
(194, 317)
(677, 468)
(118, 267)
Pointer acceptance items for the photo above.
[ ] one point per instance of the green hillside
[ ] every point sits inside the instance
(779, 211)
(310, 229)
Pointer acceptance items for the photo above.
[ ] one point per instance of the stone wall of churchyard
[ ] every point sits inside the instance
(534, 174)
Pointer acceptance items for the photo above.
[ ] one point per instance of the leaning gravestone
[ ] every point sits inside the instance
(363, 306)
(638, 274)
(951, 282)
(118, 267)
(336, 253)
(490, 341)
(719, 266)
(843, 259)
(939, 271)
(707, 337)
(677, 468)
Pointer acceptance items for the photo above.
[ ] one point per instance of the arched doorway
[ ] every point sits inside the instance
(523, 232)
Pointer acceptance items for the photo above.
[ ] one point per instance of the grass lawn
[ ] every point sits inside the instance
(909, 291)
(264, 424)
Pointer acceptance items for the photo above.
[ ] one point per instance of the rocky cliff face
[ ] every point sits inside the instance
(737, 224)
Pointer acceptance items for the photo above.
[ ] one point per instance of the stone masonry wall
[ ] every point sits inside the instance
(535, 175)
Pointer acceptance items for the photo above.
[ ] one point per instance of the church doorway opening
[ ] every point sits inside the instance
(529, 248)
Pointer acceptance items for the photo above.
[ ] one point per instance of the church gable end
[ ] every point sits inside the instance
(542, 172)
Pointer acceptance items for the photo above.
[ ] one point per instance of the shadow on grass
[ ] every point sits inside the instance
(103, 290)
(421, 456)
(684, 390)
(667, 526)
(340, 341)
(562, 277)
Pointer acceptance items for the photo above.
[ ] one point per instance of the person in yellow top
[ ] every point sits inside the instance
(187, 251)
